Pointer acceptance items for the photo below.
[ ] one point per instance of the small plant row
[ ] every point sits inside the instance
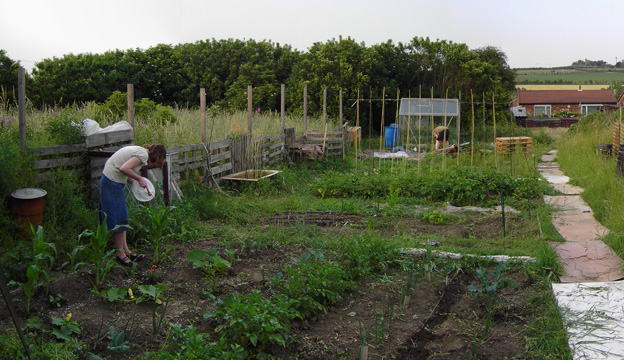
(460, 186)
(247, 326)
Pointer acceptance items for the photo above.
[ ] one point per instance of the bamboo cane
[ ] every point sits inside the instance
(419, 123)
(484, 132)
(381, 132)
(444, 139)
(357, 123)
(431, 128)
(494, 120)
(409, 123)
(395, 136)
(473, 125)
(458, 126)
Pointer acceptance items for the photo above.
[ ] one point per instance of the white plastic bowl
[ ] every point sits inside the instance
(143, 194)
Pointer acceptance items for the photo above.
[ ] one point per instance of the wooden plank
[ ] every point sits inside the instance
(79, 172)
(99, 139)
(220, 157)
(217, 145)
(219, 170)
(185, 148)
(60, 149)
(56, 163)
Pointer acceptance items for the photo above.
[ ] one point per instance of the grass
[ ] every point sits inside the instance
(596, 173)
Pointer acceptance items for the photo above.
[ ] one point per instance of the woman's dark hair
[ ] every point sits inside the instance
(156, 152)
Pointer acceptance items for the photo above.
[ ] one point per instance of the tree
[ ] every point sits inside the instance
(335, 65)
(8, 80)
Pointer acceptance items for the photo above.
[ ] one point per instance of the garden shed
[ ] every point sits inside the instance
(422, 115)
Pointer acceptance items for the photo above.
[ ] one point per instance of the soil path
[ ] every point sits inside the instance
(589, 294)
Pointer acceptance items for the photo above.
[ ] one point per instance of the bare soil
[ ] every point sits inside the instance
(441, 319)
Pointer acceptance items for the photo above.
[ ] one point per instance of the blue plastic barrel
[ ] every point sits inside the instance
(391, 135)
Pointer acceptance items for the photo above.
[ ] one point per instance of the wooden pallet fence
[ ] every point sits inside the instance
(190, 161)
(63, 158)
(220, 158)
(510, 144)
(267, 151)
(333, 140)
(276, 149)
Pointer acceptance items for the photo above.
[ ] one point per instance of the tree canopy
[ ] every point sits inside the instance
(173, 74)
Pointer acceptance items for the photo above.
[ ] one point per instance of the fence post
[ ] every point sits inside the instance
(131, 104)
(283, 107)
(305, 108)
(325, 107)
(340, 111)
(202, 105)
(249, 127)
(21, 101)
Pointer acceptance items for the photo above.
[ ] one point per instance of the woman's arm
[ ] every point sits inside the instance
(128, 169)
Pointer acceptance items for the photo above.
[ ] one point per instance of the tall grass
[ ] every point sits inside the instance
(596, 173)
(219, 125)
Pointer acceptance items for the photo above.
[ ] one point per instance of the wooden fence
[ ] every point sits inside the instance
(197, 162)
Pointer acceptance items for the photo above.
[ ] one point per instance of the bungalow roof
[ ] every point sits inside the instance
(565, 97)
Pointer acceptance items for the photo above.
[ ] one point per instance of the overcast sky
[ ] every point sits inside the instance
(533, 33)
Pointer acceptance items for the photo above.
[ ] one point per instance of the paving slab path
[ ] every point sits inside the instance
(591, 298)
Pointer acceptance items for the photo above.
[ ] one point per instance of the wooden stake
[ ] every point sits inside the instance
(202, 112)
(305, 108)
(484, 132)
(381, 132)
(494, 120)
(21, 102)
(473, 129)
(419, 123)
(458, 126)
(444, 139)
(130, 96)
(431, 128)
(283, 107)
(357, 123)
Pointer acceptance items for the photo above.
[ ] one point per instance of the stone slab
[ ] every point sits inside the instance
(588, 261)
(548, 157)
(548, 165)
(568, 204)
(554, 176)
(568, 189)
(593, 317)
(579, 227)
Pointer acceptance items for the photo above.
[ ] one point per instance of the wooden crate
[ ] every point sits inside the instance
(505, 144)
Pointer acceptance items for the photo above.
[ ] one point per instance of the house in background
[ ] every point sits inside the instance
(547, 102)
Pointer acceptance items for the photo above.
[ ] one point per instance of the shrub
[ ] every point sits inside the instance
(64, 128)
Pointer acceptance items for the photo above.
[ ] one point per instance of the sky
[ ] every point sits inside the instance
(532, 33)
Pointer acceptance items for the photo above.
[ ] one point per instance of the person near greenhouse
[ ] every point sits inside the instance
(441, 135)
(124, 166)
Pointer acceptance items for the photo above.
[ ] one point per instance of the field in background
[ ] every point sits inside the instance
(560, 87)
(568, 76)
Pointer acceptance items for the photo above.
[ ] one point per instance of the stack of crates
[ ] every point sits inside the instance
(510, 144)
